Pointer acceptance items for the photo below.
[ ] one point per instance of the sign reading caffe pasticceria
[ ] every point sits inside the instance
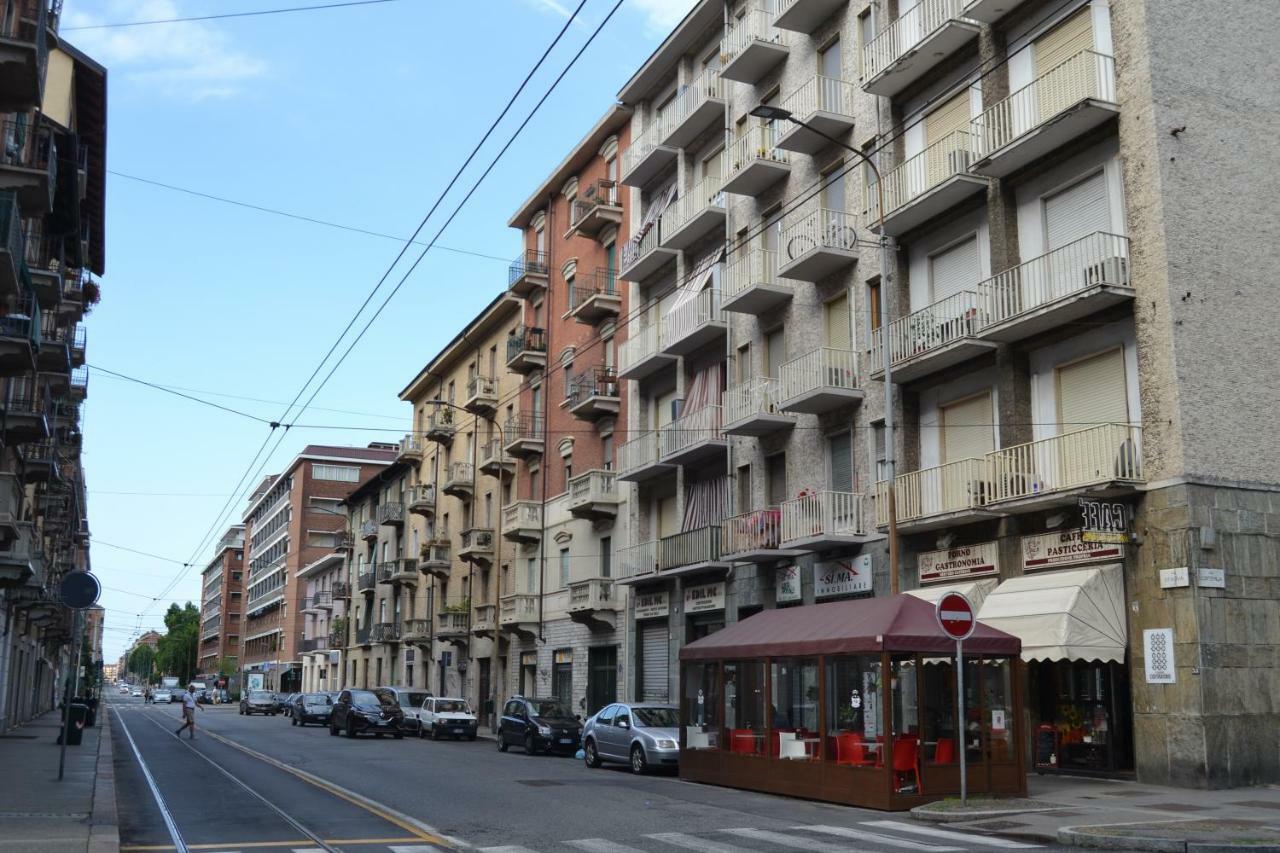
(965, 561)
(1065, 548)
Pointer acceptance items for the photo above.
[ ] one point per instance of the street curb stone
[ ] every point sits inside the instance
(104, 829)
(1076, 836)
(934, 816)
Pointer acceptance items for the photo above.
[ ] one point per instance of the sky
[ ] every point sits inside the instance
(357, 116)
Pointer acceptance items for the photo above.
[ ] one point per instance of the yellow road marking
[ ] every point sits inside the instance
(140, 848)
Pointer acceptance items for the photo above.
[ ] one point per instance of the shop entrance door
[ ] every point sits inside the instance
(602, 677)
(1081, 715)
(484, 699)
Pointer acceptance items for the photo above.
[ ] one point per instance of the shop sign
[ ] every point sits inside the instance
(1104, 521)
(705, 598)
(787, 584)
(968, 561)
(842, 577)
(1065, 548)
(1174, 578)
(652, 605)
(562, 656)
(528, 658)
(1157, 649)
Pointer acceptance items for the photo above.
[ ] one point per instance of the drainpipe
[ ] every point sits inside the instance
(546, 418)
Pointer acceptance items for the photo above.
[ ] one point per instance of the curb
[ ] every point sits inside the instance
(1074, 836)
(933, 816)
(104, 829)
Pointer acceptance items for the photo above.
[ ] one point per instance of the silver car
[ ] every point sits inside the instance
(638, 734)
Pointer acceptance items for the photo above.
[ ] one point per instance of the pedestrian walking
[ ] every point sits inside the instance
(189, 706)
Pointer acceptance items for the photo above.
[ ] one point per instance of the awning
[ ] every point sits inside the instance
(902, 623)
(1066, 615)
(975, 590)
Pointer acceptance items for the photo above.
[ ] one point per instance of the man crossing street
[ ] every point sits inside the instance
(189, 706)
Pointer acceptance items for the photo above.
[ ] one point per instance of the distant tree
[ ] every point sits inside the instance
(142, 662)
(176, 650)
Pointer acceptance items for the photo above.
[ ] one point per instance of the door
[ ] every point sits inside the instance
(1059, 91)
(775, 352)
(602, 731)
(836, 324)
(602, 677)
(562, 676)
(967, 432)
(954, 269)
(654, 650)
(1091, 392)
(946, 140)
(776, 472)
(668, 518)
(1070, 215)
(486, 703)
(528, 672)
(830, 74)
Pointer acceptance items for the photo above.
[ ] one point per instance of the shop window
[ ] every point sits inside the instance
(699, 699)
(853, 710)
(793, 708)
(744, 720)
(938, 728)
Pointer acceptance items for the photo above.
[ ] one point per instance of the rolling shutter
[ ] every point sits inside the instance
(1092, 391)
(1076, 212)
(1069, 83)
(837, 320)
(948, 118)
(668, 519)
(1064, 41)
(966, 429)
(945, 160)
(954, 270)
(776, 351)
(840, 454)
(653, 661)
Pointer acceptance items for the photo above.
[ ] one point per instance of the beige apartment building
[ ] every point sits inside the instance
(1053, 206)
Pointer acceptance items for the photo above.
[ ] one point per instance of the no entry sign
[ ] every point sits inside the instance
(955, 616)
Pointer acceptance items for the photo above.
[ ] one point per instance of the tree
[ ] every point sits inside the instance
(176, 650)
(142, 662)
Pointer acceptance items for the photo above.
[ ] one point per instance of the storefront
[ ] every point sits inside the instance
(851, 702)
(652, 609)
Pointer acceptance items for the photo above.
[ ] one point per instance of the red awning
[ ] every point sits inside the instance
(902, 623)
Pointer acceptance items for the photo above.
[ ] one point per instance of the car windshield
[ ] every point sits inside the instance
(654, 718)
(412, 700)
(452, 706)
(260, 695)
(373, 699)
(317, 699)
(552, 710)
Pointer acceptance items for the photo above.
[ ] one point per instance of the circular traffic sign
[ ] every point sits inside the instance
(79, 590)
(955, 616)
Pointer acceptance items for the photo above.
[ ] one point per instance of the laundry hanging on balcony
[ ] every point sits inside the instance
(661, 201)
(706, 503)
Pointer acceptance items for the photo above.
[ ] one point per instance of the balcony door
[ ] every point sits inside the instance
(946, 159)
(1052, 49)
(1070, 215)
(952, 271)
(775, 352)
(967, 432)
(1091, 392)
(837, 329)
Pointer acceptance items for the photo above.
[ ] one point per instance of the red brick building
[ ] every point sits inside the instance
(221, 599)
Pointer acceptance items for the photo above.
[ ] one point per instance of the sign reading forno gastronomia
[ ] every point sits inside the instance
(1065, 548)
(965, 561)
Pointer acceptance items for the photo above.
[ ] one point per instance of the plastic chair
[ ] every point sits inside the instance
(906, 759)
(743, 741)
(851, 750)
(945, 751)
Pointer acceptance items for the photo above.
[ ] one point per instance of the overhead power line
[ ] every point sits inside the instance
(179, 394)
(224, 15)
(97, 541)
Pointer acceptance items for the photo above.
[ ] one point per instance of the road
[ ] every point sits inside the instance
(257, 782)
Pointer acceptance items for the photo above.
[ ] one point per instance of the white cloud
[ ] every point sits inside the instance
(552, 6)
(661, 16)
(192, 61)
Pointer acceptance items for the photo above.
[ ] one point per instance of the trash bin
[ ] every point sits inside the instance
(92, 718)
(76, 723)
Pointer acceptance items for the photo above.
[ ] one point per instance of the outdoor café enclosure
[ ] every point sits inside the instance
(852, 702)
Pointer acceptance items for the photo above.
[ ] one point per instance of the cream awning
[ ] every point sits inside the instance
(1076, 614)
(975, 590)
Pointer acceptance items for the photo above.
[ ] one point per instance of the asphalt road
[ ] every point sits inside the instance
(412, 796)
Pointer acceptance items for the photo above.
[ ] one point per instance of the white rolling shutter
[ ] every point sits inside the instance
(948, 118)
(1092, 392)
(837, 320)
(1076, 212)
(653, 661)
(955, 269)
(668, 519)
(967, 429)
(840, 458)
(1064, 41)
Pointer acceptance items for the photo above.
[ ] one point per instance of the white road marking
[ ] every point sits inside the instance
(601, 845)
(693, 842)
(795, 843)
(506, 848)
(970, 838)
(397, 848)
(877, 838)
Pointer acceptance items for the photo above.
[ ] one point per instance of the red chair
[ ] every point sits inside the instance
(851, 750)
(945, 751)
(906, 759)
(743, 741)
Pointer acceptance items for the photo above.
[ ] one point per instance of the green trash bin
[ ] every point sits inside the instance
(75, 723)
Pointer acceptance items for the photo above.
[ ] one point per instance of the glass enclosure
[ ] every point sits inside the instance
(699, 699)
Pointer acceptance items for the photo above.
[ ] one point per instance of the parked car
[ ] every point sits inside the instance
(310, 708)
(137, 691)
(375, 711)
(643, 736)
(124, 688)
(161, 695)
(410, 702)
(286, 707)
(540, 725)
(447, 717)
(259, 702)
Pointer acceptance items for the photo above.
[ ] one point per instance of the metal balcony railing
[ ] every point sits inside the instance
(27, 395)
(639, 452)
(638, 559)
(369, 529)
(525, 425)
(363, 635)
(740, 33)
(340, 590)
(913, 177)
(758, 530)
(638, 247)
(80, 381)
(643, 342)
(23, 321)
(529, 263)
(821, 94)
(367, 580)
(822, 368)
(705, 87)
(481, 387)
(928, 329)
(386, 632)
(816, 227)
(759, 396)
(526, 339)
(602, 282)
(1097, 259)
(759, 142)
(602, 193)
(690, 547)
(592, 382)
(701, 196)
(754, 268)
(440, 420)
(692, 316)
(11, 237)
(904, 33)
(691, 429)
(28, 147)
(959, 485)
(823, 513)
(643, 145)
(1083, 457)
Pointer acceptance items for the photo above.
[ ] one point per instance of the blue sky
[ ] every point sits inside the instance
(357, 116)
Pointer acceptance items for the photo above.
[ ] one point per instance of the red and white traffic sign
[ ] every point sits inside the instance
(955, 616)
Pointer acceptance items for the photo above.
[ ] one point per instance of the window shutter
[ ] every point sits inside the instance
(840, 453)
(1064, 41)
(948, 118)
(954, 270)
(777, 479)
(668, 520)
(777, 352)
(1092, 391)
(967, 429)
(837, 316)
(654, 660)
(1077, 211)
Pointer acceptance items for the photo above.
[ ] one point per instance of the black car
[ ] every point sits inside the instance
(375, 711)
(541, 725)
(259, 702)
(310, 708)
(286, 706)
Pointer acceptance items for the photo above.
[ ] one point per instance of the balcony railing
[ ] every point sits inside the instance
(639, 559)
(11, 241)
(1093, 455)
(752, 30)
(527, 348)
(526, 271)
(516, 608)
(757, 398)
(822, 514)
(752, 284)
(453, 623)
(367, 581)
(592, 594)
(24, 84)
(600, 204)
(960, 485)
(694, 322)
(23, 322)
(494, 460)
(421, 499)
(31, 148)
(593, 487)
(755, 161)
(690, 430)
(825, 105)
(441, 424)
(641, 349)
(484, 621)
(694, 108)
(644, 253)
(341, 590)
(482, 393)
(913, 177)
(476, 542)
(689, 548)
(386, 632)
(522, 516)
(817, 241)
(525, 433)
(930, 328)
(459, 477)
(701, 209)
(1098, 259)
(638, 453)
(595, 296)
(592, 382)
(831, 374)
(758, 530)
(644, 149)
(415, 630)
(411, 447)
(391, 512)
(901, 35)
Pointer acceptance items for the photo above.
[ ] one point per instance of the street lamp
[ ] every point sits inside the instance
(772, 113)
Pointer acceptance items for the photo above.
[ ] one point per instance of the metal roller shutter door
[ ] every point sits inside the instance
(654, 661)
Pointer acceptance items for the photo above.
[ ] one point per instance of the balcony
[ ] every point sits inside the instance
(594, 394)
(637, 562)
(482, 395)
(421, 500)
(476, 545)
(416, 631)
(823, 520)
(437, 558)
(647, 156)
(756, 537)
(403, 570)
(691, 551)
(593, 603)
(460, 480)
(440, 425)
(367, 581)
(386, 632)
(20, 338)
(916, 42)
(755, 162)
(693, 321)
(926, 185)
(1103, 460)
(24, 55)
(453, 626)
(752, 408)
(694, 215)
(16, 553)
(522, 521)
(26, 413)
(804, 16)
(527, 350)
(1059, 287)
(819, 381)
(494, 461)
(28, 165)
(43, 253)
(641, 354)
(826, 104)
(1057, 107)
(693, 437)
(644, 254)
(600, 207)
(752, 285)
(989, 11)
(363, 635)
(527, 273)
(79, 337)
(484, 622)
(696, 110)
(317, 602)
(391, 514)
(525, 434)
(595, 297)
(752, 47)
(39, 461)
(638, 459)
(816, 243)
(13, 272)
(594, 495)
(519, 614)
(341, 591)
(937, 497)
(55, 344)
(410, 450)
(931, 339)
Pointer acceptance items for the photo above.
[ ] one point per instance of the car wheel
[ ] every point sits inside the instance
(471, 737)
(333, 730)
(590, 756)
(351, 729)
(639, 763)
(529, 746)
(435, 733)
(503, 746)
(293, 721)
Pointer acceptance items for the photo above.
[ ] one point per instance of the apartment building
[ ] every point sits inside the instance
(325, 611)
(1036, 165)
(467, 434)
(221, 606)
(52, 186)
(293, 519)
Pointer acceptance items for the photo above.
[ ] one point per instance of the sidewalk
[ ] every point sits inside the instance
(42, 815)
(1125, 816)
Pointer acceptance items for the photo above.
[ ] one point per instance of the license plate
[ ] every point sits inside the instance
(566, 740)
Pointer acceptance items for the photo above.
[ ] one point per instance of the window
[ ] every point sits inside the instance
(606, 452)
(744, 488)
(967, 428)
(568, 470)
(839, 335)
(775, 352)
(829, 61)
(777, 473)
(953, 270)
(873, 303)
(866, 32)
(564, 568)
(535, 483)
(339, 473)
(743, 364)
(840, 460)
(1092, 391)
(606, 556)
(531, 575)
